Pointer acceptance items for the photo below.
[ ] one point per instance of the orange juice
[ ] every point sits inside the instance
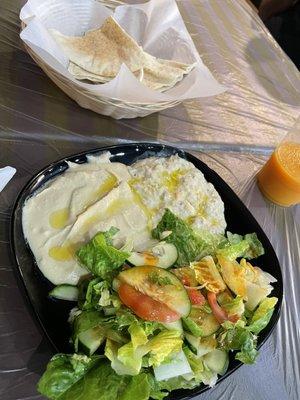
(279, 179)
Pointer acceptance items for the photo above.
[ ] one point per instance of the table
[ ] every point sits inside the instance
(233, 133)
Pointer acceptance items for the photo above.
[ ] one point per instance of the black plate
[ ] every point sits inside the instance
(52, 315)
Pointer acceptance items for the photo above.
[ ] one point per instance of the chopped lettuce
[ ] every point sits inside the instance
(190, 245)
(137, 334)
(238, 337)
(97, 294)
(111, 352)
(194, 361)
(91, 319)
(255, 246)
(63, 371)
(138, 387)
(100, 257)
(262, 315)
(124, 318)
(163, 345)
(133, 347)
(179, 382)
(248, 246)
(192, 327)
(130, 357)
(100, 383)
(233, 251)
(233, 307)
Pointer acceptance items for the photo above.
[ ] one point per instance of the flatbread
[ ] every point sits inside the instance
(82, 74)
(98, 55)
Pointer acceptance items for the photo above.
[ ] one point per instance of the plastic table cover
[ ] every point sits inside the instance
(233, 132)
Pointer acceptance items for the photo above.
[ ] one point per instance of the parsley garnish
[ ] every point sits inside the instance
(159, 280)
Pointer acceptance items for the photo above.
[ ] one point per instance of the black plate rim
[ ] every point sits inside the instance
(181, 394)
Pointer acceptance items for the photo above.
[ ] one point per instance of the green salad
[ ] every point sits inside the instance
(165, 319)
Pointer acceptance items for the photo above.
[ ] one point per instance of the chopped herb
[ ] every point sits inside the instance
(159, 280)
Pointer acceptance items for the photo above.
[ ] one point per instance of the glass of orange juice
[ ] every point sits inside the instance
(279, 179)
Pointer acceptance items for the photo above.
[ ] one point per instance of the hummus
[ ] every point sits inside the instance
(92, 197)
(73, 207)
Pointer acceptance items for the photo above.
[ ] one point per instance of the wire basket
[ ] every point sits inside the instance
(112, 107)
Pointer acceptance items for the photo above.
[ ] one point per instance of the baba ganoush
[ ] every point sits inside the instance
(87, 198)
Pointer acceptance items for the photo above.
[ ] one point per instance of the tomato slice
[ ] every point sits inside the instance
(196, 297)
(220, 315)
(144, 306)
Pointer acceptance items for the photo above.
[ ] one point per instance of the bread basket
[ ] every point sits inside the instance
(112, 107)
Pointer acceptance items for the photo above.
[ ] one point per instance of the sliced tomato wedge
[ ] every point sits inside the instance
(220, 315)
(144, 306)
(196, 297)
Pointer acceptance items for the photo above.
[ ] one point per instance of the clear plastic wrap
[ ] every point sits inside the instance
(233, 133)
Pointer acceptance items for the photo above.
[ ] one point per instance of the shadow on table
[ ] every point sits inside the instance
(272, 72)
(43, 109)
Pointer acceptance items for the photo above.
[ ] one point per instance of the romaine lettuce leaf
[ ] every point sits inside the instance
(138, 387)
(100, 257)
(201, 372)
(124, 360)
(238, 337)
(233, 251)
(179, 382)
(97, 294)
(163, 345)
(255, 246)
(190, 245)
(262, 315)
(62, 372)
(192, 327)
(131, 357)
(93, 378)
(194, 361)
(137, 334)
(248, 246)
(100, 383)
(124, 318)
(234, 307)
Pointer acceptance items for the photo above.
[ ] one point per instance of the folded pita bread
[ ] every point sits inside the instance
(99, 54)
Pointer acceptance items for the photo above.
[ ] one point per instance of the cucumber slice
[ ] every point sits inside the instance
(90, 340)
(160, 285)
(139, 259)
(177, 325)
(166, 253)
(162, 255)
(206, 321)
(65, 292)
(217, 361)
(201, 345)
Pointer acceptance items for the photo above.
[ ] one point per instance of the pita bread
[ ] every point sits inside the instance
(82, 74)
(99, 54)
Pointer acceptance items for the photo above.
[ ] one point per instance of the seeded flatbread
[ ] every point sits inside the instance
(99, 54)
